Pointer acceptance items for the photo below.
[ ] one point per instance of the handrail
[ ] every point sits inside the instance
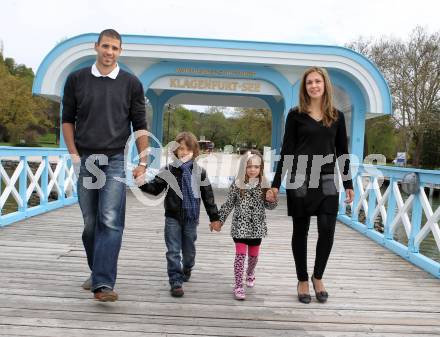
(395, 211)
(28, 171)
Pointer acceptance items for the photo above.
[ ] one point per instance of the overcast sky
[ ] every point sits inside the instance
(29, 29)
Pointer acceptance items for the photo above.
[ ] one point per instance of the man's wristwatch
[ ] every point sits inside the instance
(143, 164)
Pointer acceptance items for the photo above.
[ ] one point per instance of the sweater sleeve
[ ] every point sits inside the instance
(341, 144)
(69, 101)
(229, 204)
(157, 185)
(137, 107)
(286, 149)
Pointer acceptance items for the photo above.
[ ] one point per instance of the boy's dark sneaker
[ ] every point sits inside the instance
(177, 291)
(186, 274)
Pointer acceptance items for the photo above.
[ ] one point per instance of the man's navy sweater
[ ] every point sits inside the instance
(102, 108)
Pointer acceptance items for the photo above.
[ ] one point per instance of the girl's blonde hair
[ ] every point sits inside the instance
(242, 178)
(190, 141)
(330, 114)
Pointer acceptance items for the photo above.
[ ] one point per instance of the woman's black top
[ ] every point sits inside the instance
(308, 153)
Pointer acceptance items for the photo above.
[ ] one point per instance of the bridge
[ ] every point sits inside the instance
(378, 285)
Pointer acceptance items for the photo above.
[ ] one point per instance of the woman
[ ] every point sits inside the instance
(315, 131)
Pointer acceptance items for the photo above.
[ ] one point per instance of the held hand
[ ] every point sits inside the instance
(219, 226)
(76, 163)
(215, 225)
(138, 171)
(76, 159)
(139, 175)
(350, 196)
(272, 194)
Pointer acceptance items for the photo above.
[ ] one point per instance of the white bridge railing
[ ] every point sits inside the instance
(393, 209)
(34, 181)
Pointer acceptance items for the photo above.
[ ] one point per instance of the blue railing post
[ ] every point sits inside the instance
(371, 203)
(22, 185)
(391, 211)
(416, 220)
(44, 181)
(342, 204)
(354, 215)
(62, 176)
(75, 178)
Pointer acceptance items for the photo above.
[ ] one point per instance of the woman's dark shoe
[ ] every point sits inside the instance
(321, 296)
(303, 298)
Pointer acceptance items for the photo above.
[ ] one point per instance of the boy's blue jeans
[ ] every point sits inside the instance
(102, 201)
(180, 236)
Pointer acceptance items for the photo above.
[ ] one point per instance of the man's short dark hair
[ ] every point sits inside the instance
(109, 33)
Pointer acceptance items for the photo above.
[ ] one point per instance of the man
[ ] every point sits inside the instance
(99, 105)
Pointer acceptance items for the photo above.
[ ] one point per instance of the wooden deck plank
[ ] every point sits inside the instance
(372, 291)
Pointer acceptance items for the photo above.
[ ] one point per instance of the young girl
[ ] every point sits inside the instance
(182, 208)
(247, 195)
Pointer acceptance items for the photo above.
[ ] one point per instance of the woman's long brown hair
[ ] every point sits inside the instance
(330, 114)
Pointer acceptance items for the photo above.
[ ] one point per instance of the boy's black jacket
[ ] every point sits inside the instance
(173, 200)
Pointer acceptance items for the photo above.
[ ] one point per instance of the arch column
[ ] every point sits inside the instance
(358, 110)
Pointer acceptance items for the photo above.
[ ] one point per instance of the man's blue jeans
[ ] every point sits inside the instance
(179, 236)
(102, 201)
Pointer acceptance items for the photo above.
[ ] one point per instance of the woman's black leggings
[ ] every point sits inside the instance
(326, 232)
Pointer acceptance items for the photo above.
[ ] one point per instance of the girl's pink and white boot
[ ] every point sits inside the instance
(239, 292)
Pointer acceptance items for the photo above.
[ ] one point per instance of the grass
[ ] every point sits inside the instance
(47, 140)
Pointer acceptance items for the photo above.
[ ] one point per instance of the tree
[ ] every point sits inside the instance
(412, 70)
(249, 126)
(431, 144)
(177, 119)
(215, 127)
(255, 127)
(21, 115)
(381, 136)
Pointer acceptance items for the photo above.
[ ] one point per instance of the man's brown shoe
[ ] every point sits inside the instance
(106, 295)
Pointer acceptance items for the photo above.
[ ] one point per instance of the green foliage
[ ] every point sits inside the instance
(177, 120)
(431, 149)
(431, 142)
(48, 138)
(381, 136)
(216, 127)
(411, 68)
(249, 128)
(255, 127)
(22, 116)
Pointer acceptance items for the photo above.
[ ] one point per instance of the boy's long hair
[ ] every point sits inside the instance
(191, 142)
(330, 114)
(242, 179)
